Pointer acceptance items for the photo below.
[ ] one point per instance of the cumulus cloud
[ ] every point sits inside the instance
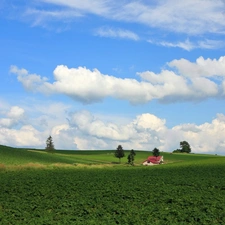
(30, 125)
(15, 129)
(13, 117)
(136, 133)
(201, 68)
(85, 122)
(185, 81)
(84, 130)
(25, 136)
(87, 86)
(30, 81)
(144, 132)
(207, 137)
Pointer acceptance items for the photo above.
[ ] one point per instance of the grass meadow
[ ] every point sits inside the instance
(91, 187)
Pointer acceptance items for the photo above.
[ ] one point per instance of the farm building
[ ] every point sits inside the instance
(152, 160)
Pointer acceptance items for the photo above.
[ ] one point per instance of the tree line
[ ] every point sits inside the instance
(119, 153)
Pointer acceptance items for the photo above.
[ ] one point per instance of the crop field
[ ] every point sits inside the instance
(187, 189)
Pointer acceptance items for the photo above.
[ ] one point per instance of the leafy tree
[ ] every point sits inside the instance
(156, 152)
(119, 153)
(185, 147)
(49, 144)
(131, 157)
(177, 151)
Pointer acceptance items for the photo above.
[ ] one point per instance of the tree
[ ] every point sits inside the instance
(131, 157)
(185, 147)
(156, 152)
(177, 151)
(49, 144)
(119, 153)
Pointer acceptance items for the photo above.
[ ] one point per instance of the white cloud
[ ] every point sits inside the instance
(190, 45)
(13, 117)
(86, 123)
(187, 45)
(116, 33)
(207, 137)
(149, 121)
(31, 124)
(210, 44)
(191, 17)
(93, 133)
(30, 81)
(192, 82)
(144, 132)
(15, 112)
(201, 68)
(85, 130)
(87, 86)
(25, 136)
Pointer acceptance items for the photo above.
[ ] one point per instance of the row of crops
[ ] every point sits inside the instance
(189, 193)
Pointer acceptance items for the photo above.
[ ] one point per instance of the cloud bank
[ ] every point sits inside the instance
(185, 81)
(85, 130)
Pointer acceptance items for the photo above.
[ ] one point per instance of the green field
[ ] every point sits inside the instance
(90, 187)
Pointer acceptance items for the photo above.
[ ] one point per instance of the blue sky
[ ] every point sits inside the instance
(96, 74)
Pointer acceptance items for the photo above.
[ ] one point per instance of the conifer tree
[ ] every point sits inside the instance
(131, 157)
(156, 152)
(49, 144)
(119, 153)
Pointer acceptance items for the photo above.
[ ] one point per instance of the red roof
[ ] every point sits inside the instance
(154, 159)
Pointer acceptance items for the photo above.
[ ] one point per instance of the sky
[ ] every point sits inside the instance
(96, 74)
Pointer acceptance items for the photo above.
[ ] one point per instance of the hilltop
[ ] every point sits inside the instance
(10, 156)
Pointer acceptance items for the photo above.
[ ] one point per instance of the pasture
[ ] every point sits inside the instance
(90, 187)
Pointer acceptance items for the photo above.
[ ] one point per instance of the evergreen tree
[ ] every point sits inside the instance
(156, 152)
(119, 153)
(131, 157)
(49, 144)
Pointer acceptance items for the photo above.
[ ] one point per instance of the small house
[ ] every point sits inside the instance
(153, 160)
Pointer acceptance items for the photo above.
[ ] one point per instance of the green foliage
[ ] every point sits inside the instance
(131, 157)
(119, 153)
(177, 151)
(185, 147)
(156, 152)
(187, 193)
(190, 191)
(49, 144)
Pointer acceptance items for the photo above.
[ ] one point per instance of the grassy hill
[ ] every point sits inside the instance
(30, 157)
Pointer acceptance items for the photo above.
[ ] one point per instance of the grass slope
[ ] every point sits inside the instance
(18, 157)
